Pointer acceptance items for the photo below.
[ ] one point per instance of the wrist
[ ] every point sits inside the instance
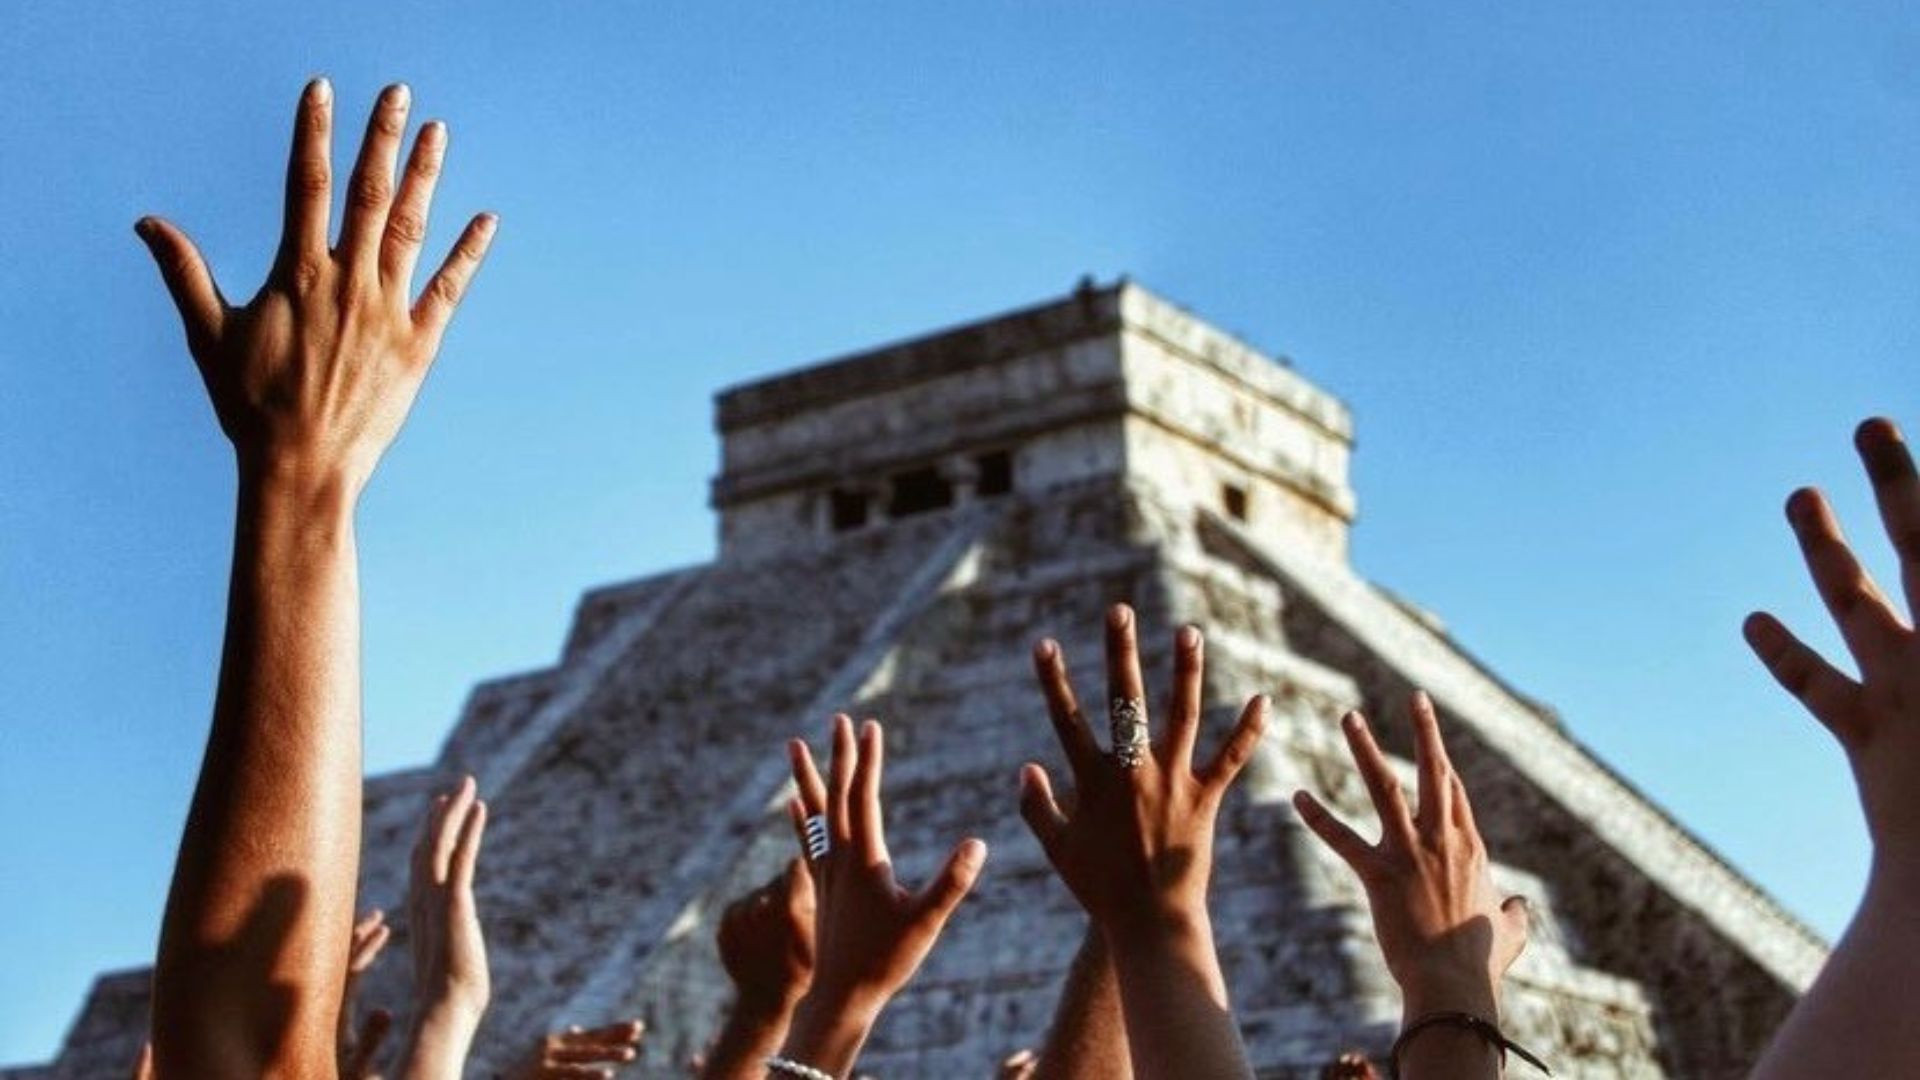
(760, 1004)
(1133, 929)
(842, 998)
(830, 1025)
(1464, 992)
(284, 478)
(452, 1012)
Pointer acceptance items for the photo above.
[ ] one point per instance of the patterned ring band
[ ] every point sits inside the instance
(1127, 728)
(817, 843)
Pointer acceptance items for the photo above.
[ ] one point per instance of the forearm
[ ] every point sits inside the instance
(753, 1033)
(1088, 1039)
(1175, 1002)
(829, 1028)
(262, 891)
(438, 1045)
(1853, 1021)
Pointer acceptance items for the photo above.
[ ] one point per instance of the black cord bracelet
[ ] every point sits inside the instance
(1486, 1029)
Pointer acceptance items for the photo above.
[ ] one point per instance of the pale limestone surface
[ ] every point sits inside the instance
(636, 785)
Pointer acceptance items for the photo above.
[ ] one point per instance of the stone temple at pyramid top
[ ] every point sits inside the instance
(1108, 382)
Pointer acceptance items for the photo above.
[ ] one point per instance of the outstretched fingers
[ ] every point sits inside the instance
(370, 189)
(1396, 824)
(1124, 681)
(1858, 606)
(438, 300)
(406, 226)
(466, 850)
(303, 238)
(869, 820)
(1832, 697)
(1076, 740)
(187, 278)
(370, 935)
(1183, 705)
(1432, 765)
(1896, 488)
(450, 821)
(615, 1043)
(840, 782)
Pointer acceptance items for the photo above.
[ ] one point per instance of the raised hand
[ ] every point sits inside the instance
(581, 1053)
(766, 946)
(1876, 717)
(1136, 847)
(450, 978)
(766, 939)
(1854, 1020)
(360, 1046)
(871, 934)
(312, 378)
(1447, 934)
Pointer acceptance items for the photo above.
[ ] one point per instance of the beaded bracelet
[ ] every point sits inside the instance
(1486, 1029)
(794, 1068)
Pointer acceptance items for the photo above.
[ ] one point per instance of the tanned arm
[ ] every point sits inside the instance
(1088, 1040)
(311, 380)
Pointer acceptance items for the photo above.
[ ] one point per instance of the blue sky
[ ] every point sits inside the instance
(1601, 285)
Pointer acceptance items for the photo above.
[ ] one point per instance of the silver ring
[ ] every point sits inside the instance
(817, 843)
(1127, 728)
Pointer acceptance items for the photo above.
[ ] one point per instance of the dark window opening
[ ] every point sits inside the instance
(995, 476)
(847, 509)
(1234, 498)
(917, 491)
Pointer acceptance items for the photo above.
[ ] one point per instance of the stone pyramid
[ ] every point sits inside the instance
(896, 528)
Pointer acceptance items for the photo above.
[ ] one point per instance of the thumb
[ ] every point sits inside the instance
(1517, 916)
(944, 893)
(187, 278)
(1039, 808)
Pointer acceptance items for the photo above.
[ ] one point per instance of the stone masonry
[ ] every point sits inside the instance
(896, 528)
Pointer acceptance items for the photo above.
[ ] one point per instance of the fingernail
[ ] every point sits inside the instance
(399, 95)
(1046, 649)
(143, 228)
(319, 91)
(1800, 506)
(1121, 616)
(1189, 637)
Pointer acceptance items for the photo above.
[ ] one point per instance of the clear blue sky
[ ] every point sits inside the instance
(1600, 284)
